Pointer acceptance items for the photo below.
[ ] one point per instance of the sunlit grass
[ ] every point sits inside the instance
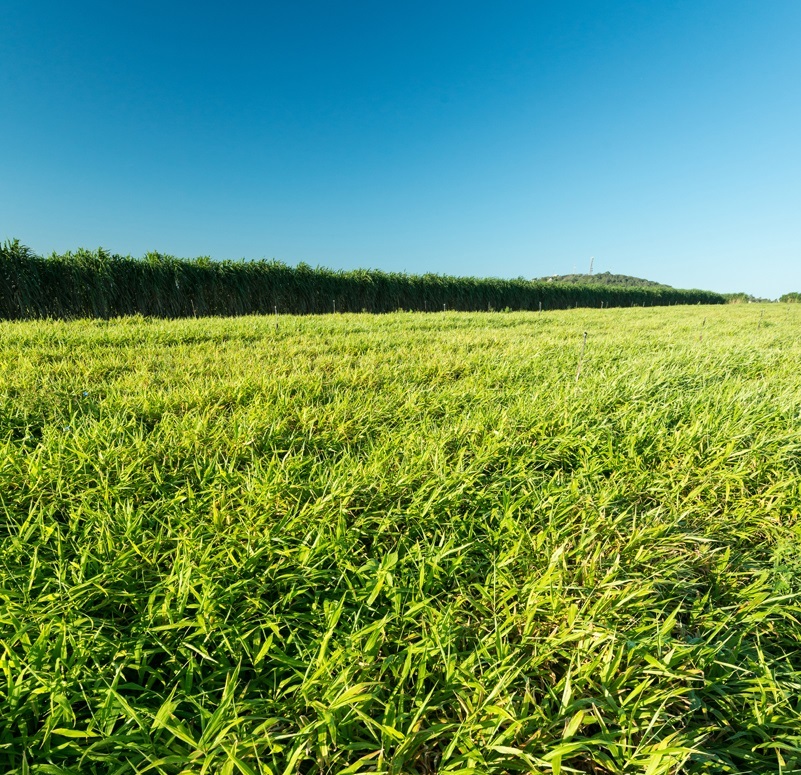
(408, 543)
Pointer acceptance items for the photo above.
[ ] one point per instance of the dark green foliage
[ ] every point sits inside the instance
(103, 285)
(792, 298)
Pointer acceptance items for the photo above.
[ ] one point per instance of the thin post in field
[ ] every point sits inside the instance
(581, 356)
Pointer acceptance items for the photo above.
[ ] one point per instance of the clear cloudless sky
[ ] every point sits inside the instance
(494, 139)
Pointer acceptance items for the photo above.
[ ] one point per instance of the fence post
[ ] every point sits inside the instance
(581, 357)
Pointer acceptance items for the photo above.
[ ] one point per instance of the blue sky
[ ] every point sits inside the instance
(491, 139)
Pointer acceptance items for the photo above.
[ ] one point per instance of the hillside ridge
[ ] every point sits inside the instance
(603, 278)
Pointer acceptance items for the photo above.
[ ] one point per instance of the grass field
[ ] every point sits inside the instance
(406, 543)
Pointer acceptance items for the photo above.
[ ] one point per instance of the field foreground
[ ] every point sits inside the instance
(406, 543)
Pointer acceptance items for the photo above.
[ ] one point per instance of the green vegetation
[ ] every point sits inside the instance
(402, 544)
(98, 284)
(604, 278)
(743, 298)
(792, 298)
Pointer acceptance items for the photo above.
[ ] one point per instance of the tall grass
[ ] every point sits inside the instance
(402, 544)
(98, 284)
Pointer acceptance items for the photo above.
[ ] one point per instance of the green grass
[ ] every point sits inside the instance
(408, 543)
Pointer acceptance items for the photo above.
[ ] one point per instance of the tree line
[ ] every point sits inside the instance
(97, 283)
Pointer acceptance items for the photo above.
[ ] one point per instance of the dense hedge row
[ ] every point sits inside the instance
(99, 284)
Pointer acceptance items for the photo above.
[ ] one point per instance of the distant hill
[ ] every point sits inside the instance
(603, 278)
